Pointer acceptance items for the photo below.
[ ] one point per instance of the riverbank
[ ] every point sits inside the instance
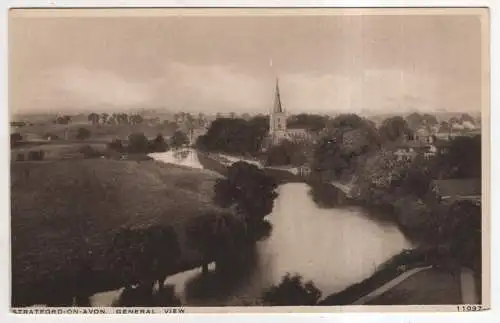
(326, 195)
(397, 265)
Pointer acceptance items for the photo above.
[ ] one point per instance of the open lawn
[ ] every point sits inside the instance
(68, 210)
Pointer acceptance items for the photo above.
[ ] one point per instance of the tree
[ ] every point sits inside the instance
(249, 189)
(414, 120)
(292, 292)
(393, 129)
(89, 152)
(311, 122)
(413, 213)
(216, 235)
(93, 118)
(348, 120)
(158, 144)
(145, 256)
(63, 119)
(116, 144)
(465, 117)
(236, 136)
(429, 119)
(463, 159)
(138, 143)
(342, 147)
(286, 153)
(179, 139)
(36, 155)
(464, 228)
(136, 119)
(15, 138)
(82, 134)
(104, 117)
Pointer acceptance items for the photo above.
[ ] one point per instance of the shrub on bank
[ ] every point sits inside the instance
(292, 291)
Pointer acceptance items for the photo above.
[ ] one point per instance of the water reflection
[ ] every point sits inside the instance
(332, 246)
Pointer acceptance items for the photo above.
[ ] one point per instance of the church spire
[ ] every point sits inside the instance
(277, 99)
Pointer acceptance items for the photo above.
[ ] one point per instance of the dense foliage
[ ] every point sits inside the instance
(236, 136)
(140, 256)
(179, 139)
(292, 291)
(249, 190)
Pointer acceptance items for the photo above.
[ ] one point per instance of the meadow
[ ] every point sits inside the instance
(63, 211)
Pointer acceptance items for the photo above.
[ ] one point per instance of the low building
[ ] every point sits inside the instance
(450, 190)
(408, 150)
(298, 134)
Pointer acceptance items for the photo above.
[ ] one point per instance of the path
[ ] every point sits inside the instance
(347, 189)
(468, 287)
(391, 284)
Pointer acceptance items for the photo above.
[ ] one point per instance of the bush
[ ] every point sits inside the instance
(15, 138)
(90, 152)
(138, 143)
(83, 134)
(116, 145)
(179, 139)
(36, 155)
(292, 292)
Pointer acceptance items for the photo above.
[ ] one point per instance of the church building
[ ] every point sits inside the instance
(278, 129)
(277, 119)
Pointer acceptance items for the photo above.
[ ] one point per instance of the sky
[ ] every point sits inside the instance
(325, 64)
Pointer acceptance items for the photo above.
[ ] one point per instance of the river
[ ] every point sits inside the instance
(333, 248)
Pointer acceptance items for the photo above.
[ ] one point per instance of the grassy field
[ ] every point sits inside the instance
(57, 150)
(63, 211)
(102, 132)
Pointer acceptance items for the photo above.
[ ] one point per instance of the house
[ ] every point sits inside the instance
(408, 150)
(298, 134)
(450, 190)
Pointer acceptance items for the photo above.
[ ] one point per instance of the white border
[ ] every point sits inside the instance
(5, 316)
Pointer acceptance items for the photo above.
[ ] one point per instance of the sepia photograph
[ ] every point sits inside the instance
(249, 158)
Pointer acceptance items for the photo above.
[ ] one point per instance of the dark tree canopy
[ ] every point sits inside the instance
(393, 129)
(144, 255)
(338, 151)
(93, 118)
(417, 120)
(286, 153)
(179, 139)
(463, 159)
(465, 117)
(247, 188)
(116, 145)
(158, 144)
(237, 136)
(312, 122)
(82, 134)
(138, 143)
(349, 120)
(292, 291)
(15, 138)
(215, 235)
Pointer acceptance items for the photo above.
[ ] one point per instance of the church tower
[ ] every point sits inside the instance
(277, 119)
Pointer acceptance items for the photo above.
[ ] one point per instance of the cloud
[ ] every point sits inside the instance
(102, 87)
(224, 88)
